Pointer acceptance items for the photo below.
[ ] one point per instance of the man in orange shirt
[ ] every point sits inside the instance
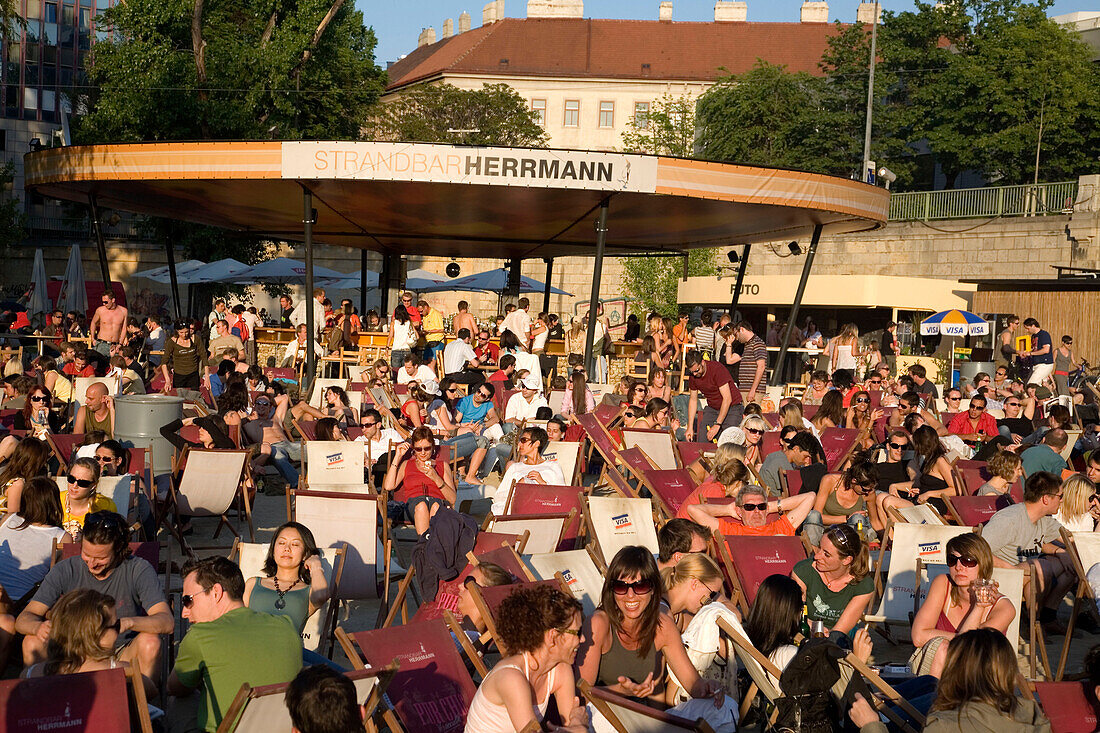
(749, 516)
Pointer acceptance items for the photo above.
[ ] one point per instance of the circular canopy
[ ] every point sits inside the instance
(452, 201)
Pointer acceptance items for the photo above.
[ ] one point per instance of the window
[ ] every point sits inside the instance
(538, 106)
(641, 115)
(572, 113)
(607, 114)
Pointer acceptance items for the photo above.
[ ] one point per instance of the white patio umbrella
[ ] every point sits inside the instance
(226, 270)
(73, 296)
(284, 270)
(351, 281)
(161, 275)
(38, 301)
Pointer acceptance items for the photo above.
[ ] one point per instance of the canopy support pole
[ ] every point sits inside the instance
(170, 254)
(362, 283)
(741, 267)
(777, 373)
(546, 288)
(594, 298)
(311, 327)
(511, 290)
(101, 246)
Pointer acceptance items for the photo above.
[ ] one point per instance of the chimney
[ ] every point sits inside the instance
(448, 28)
(464, 22)
(427, 37)
(489, 13)
(866, 12)
(815, 12)
(731, 11)
(665, 11)
(555, 8)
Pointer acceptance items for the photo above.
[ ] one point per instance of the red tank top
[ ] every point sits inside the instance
(944, 624)
(416, 484)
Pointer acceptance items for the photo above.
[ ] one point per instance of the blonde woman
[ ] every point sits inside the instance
(703, 470)
(574, 338)
(1080, 508)
(754, 428)
(844, 351)
(1007, 469)
(729, 478)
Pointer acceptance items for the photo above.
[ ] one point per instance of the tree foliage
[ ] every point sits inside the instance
(11, 209)
(652, 281)
(442, 113)
(667, 129)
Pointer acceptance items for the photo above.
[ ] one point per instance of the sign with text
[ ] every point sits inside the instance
(487, 166)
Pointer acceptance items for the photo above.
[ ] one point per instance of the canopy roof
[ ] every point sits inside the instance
(454, 201)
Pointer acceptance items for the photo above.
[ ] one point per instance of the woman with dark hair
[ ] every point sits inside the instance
(54, 381)
(830, 413)
(36, 417)
(328, 429)
(339, 407)
(233, 403)
(629, 637)
(848, 498)
(416, 481)
(483, 575)
(293, 583)
(414, 410)
(860, 416)
(659, 386)
(184, 355)
(836, 584)
(964, 598)
(27, 537)
(579, 398)
(935, 479)
(657, 416)
(540, 627)
(28, 460)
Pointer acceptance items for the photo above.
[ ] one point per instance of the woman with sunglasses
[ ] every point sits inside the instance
(84, 627)
(483, 575)
(836, 583)
(36, 417)
(338, 406)
(81, 498)
(629, 638)
(955, 604)
(848, 498)
(416, 482)
(28, 460)
(754, 428)
(540, 627)
(860, 416)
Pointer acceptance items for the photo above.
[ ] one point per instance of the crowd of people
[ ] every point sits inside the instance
(460, 410)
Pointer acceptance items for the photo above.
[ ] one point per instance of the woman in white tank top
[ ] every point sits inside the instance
(542, 626)
(844, 350)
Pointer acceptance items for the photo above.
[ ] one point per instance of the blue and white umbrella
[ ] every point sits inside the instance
(954, 323)
(491, 281)
(284, 270)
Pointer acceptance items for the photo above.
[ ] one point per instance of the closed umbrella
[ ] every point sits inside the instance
(73, 295)
(284, 270)
(37, 300)
(954, 323)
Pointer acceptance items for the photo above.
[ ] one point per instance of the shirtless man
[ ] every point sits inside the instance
(463, 319)
(266, 430)
(108, 324)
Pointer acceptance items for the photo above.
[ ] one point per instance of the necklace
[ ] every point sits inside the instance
(280, 602)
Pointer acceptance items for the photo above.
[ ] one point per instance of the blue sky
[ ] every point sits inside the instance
(397, 23)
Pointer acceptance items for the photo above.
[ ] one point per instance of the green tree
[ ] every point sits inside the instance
(493, 115)
(11, 209)
(652, 281)
(667, 129)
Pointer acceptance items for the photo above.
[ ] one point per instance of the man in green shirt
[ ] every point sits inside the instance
(1047, 455)
(228, 644)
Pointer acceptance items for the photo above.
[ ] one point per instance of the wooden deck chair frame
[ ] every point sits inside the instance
(236, 715)
(596, 529)
(758, 668)
(491, 631)
(136, 702)
(197, 458)
(1083, 591)
(576, 567)
(327, 613)
(635, 472)
(927, 513)
(892, 695)
(539, 526)
(361, 543)
(603, 700)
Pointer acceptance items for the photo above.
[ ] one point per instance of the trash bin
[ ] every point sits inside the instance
(138, 420)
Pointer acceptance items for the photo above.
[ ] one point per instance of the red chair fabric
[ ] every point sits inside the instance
(690, 452)
(1067, 706)
(672, 487)
(836, 442)
(973, 511)
(149, 551)
(88, 701)
(794, 481)
(755, 558)
(536, 499)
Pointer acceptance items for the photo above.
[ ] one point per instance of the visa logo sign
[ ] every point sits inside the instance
(622, 521)
(335, 459)
(924, 549)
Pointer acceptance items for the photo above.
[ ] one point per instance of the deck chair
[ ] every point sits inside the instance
(579, 570)
(488, 602)
(317, 634)
(627, 716)
(756, 559)
(539, 499)
(334, 465)
(1071, 440)
(1067, 706)
(546, 531)
(838, 444)
(320, 384)
(690, 452)
(64, 446)
(1084, 551)
(212, 480)
(911, 541)
(917, 514)
(107, 700)
(972, 474)
(568, 456)
(263, 709)
(1010, 582)
(760, 669)
(790, 482)
(616, 523)
(120, 489)
(670, 488)
(637, 463)
(431, 691)
(973, 511)
(598, 435)
(659, 445)
(349, 520)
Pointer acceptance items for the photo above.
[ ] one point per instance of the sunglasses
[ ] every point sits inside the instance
(640, 587)
(898, 446)
(105, 518)
(423, 449)
(187, 600)
(755, 507)
(39, 398)
(484, 396)
(369, 424)
(263, 403)
(862, 400)
(965, 560)
(451, 390)
(1012, 404)
(713, 596)
(83, 483)
(571, 632)
(754, 431)
(979, 408)
(875, 381)
(105, 459)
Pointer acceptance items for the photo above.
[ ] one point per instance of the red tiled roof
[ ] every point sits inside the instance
(578, 47)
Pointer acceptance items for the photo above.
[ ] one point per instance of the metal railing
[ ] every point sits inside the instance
(60, 226)
(1042, 199)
